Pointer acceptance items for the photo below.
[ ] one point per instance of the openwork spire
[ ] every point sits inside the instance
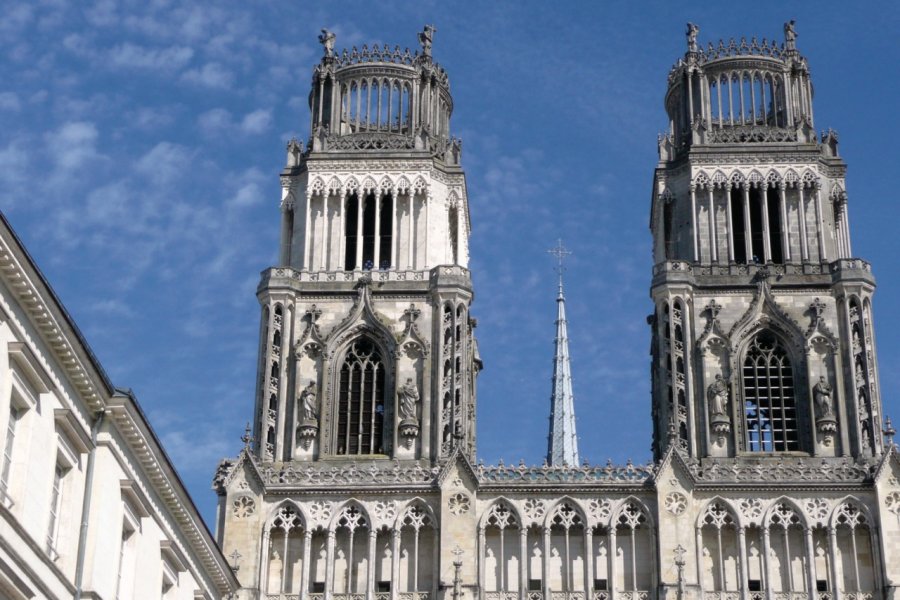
(562, 446)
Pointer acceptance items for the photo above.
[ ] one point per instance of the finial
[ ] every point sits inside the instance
(560, 253)
(889, 431)
(326, 38)
(235, 560)
(247, 438)
(790, 35)
(692, 31)
(425, 39)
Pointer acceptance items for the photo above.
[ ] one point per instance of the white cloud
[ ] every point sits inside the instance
(215, 120)
(74, 145)
(257, 121)
(164, 162)
(212, 75)
(132, 56)
(10, 101)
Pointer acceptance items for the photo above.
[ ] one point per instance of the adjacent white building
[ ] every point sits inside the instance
(90, 505)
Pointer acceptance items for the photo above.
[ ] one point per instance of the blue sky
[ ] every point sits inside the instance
(141, 142)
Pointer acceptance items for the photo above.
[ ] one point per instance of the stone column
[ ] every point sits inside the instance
(395, 239)
(395, 563)
(304, 570)
(329, 565)
(834, 583)
(611, 563)
(342, 233)
(743, 567)
(325, 231)
(376, 262)
(767, 581)
(370, 567)
(810, 562)
(728, 217)
(482, 555)
(694, 233)
(287, 231)
(820, 224)
(713, 241)
(412, 231)
(360, 202)
(748, 227)
(588, 561)
(785, 234)
(801, 212)
(766, 225)
(307, 264)
(523, 562)
(545, 563)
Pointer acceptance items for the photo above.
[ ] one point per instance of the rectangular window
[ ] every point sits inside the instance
(59, 474)
(8, 452)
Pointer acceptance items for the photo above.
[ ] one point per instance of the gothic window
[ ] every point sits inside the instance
(284, 556)
(453, 225)
(418, 544)
(633, 549)
(351, 552)
(385, 238)
(770, 410)
(788, 565)
(501, 551)
(739, 228)
(720, 555)
(368, 233)
(567, 551)
(360, 406)
(856, 574)
(757, 245)
(668, 228)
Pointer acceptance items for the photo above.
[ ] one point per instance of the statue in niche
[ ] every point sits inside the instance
(822, 396)
(692, 31)
(326, 38)
(307, 401)
(717, 394)
(408, 398)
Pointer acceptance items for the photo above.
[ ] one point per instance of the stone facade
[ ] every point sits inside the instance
(90, 506)
(769, 480)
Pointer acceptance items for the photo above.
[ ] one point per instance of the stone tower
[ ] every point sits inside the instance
(366, 345)
(762, 333)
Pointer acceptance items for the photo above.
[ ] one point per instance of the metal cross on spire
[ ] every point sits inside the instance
(560, 252)
(562, 445)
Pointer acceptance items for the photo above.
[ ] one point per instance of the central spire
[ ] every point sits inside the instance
(562, 444)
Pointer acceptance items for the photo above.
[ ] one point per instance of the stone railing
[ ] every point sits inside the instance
(382, 596)
(857, 595)
(501, 595)
(376, 53)
(413, 595)
(284, 596)
(782, 470)
(850, 264)
(790, 596)
(375, 275)
(566, 595)
(534, 595)
(348, 474)
(743, 134)
(501, 473)
(733, 49)
(600, 595)
(721, 596)
(635, 595)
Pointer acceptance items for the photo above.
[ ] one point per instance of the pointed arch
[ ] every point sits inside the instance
(719, 553)
(511, 518)
(414, 502)
(283, 556)
(276, 512)
(709, 515)
(351, 513)
(785, 511)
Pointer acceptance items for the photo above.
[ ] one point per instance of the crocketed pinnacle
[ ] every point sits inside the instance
(563, 441)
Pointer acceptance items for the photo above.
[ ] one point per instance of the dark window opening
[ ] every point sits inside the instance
(821, 585)
(382, 586)
(775, 233)
(667, 230)
(368, 248)
(754, 585)
(739, 229)
(600, 584)
(351, 217)
(317, 587)
(386, 234)
(534, 585)
(756, 226)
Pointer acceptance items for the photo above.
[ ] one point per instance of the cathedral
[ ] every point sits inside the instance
(773, 475)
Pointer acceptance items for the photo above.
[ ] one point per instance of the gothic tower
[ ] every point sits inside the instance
(562, 444)
(762, 334)
(366, 346)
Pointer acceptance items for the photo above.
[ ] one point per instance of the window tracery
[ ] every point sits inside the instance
(361, 400)
(284, 551)
(770, 410)
(720, 554)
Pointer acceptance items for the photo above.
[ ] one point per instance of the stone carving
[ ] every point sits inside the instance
(599, 509)
(826, 421)
(243, 506)
(426, 37)
(817, 508)
(385, 511)
(534, 509)
(717, 396)
(892, 502)
(459, 503)
(320, 512)
(563, 474)
(839, 469)
(407, 402)
(308, 409)
(325, 475)
(326, 38)
(692, 31)
(790, 35)
(751, 508)
(676, 503)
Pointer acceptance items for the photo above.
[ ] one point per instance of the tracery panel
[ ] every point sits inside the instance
(770, 410)
(361, 400)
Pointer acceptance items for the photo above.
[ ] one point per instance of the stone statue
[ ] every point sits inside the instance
(822, 397)
(692, 31)
(717, 394)
(425, 39)
(326, 38)
(310, 411)
(408, 397)
(790, 34)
